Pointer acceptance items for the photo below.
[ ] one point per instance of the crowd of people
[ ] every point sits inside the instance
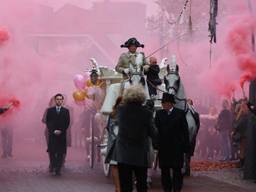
(228, 135)
(243, 134)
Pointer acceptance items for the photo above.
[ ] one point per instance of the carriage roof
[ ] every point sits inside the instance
(110, 74)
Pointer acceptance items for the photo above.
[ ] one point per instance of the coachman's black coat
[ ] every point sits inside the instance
(173, 138)
(57, 121)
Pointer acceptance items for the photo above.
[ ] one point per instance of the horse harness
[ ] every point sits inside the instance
(176, 86)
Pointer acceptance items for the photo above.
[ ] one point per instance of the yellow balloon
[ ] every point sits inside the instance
(79, 95)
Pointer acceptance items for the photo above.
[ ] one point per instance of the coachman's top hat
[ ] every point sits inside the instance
(168, 98)
(132, 41)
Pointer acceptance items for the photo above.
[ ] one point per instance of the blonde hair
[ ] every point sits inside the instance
(134, 94)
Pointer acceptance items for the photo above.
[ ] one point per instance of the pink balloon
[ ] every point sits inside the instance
(79, 81)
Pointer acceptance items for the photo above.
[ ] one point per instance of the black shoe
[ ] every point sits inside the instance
(57, 173)
(187, 172)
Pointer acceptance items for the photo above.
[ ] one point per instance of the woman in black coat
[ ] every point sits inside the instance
(112, 128)
(132, 145)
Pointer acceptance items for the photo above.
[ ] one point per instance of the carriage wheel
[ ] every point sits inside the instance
(106, 169)
(91, 156)
(103, 151)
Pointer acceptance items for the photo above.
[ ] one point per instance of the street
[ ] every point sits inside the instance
(27, 172)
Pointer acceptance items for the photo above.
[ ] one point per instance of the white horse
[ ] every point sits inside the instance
(174, 86)
(136, 75)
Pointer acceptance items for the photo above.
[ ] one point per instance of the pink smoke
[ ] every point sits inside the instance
(4, 35)
(234, 63)
(247, 63)
(239, 42)
(228, 89)
(238, 39)
(245, 77)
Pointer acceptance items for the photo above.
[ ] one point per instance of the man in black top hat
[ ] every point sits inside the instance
(128, 59)
(173, 143)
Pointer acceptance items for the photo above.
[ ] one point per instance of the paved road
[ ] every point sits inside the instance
(36, 180)
(27, 172)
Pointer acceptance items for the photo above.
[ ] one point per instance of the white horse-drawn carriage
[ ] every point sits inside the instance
(172, 84)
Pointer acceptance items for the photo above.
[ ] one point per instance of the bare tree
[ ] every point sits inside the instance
(187, 14)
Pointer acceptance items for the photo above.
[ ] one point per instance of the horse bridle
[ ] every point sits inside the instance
(167, 85)
(139, 73)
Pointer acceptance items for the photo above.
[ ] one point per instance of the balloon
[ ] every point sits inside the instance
(88, 104)
(79, 95)
(79, 81)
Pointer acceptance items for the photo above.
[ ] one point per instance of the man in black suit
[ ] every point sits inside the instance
(173, 143)
(57, 121)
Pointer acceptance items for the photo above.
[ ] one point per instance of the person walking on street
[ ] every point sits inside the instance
(173, 143)
(112, 128)
(135, 123)
(224, 126)
(6, 129)
(57, 121)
